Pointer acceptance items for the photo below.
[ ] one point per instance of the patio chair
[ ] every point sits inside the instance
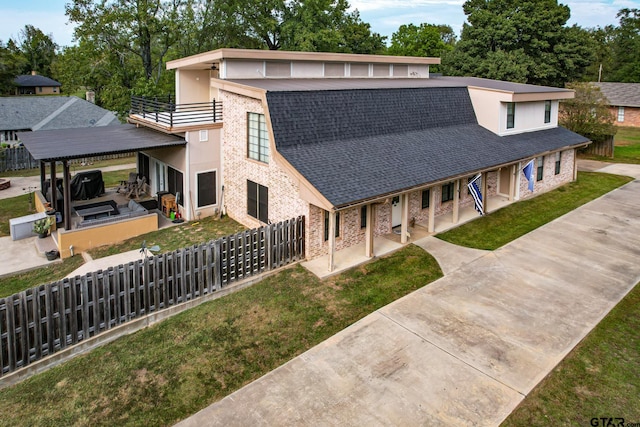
(137, 188)
(129, 184)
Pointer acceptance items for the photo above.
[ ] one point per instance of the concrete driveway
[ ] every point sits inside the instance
(468, 348)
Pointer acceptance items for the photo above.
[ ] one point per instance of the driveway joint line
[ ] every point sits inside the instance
(450, 354)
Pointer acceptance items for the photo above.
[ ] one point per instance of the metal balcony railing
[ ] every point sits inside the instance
(164, 110)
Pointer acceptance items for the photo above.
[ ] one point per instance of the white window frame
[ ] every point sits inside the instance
(257, 138)
(215, 202)
(620, 114)
(204, 135)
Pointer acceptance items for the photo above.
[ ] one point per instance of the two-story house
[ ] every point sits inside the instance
(362, 145)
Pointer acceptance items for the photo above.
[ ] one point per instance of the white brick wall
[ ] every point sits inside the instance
(550, 180)
(284, 202)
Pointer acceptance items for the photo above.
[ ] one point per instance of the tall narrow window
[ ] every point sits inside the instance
(558, 159)
(258, 139)
(206, 188)
(547, 111)
(620, 114)
(447, 192)
(326, 225)
(363, 216)
(258, 201)
(426, 195)
(540, 168)
(511, 115)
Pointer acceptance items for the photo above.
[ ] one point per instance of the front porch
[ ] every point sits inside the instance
(355, 255)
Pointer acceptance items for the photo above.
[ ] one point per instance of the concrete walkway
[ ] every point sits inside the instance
(468, 348)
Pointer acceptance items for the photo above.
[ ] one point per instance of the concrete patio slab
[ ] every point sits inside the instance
(22, 256)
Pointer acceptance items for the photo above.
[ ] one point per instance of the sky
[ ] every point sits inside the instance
(385, 16)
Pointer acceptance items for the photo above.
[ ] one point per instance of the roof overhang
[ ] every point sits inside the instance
(66, 144)
(540, 95)
(204, 60)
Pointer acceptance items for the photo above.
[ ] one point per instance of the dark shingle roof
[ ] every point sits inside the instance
(29, 80)
(621, 94)
(51, 112)
(357, 145)
(78, 143)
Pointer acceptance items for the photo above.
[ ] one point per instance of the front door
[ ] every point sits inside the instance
(396, 212)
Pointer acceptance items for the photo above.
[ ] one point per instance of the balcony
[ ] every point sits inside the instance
(162, 113)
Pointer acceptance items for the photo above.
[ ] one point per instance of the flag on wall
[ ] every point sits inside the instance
(476, 194)
(528, 173)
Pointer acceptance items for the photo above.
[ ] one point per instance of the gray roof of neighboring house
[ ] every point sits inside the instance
(621, 94)
(276, 85)
(29, 80)
(355, 145)
(51, 112)
(77, 143)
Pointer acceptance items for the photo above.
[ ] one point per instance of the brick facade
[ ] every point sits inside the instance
(631, 116)
(285, 202)
(550, 180)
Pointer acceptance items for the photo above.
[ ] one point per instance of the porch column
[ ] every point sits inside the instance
(575, 164)
(518, 177)
(456, 202)
(54, 190)
(485, 195)
(368, 232)
(66, 184)
(432, 210)
(404, 225)
(332, 238)
(512, 182)
(43, 175)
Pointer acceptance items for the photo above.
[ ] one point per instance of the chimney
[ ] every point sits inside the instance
(34, 73)
(90, 96)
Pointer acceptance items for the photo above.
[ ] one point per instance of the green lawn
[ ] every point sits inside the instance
(520, 218)
(171, 370)
(599, 378)
(626, 147)
(75, 167)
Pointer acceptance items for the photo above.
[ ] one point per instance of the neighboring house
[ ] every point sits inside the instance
(624, 101)
(35, 84)
(362, 145)
(19, 114)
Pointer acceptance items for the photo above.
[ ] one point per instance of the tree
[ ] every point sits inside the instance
(11, 65)
(626, 48)
(424, 40)
(38, 49)
(524, 41)
(588, 113)
(309, 25)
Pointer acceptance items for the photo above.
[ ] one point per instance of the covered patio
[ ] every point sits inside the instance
(61, 146)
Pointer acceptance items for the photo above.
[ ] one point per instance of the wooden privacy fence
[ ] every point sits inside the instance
(48, 318)
(18, 158)
(602, 148)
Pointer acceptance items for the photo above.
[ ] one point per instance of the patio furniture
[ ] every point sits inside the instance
(94, 211)
(137, 188)
(168, 204)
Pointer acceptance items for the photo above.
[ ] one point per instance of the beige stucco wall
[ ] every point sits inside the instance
(87, 238)
(192, 86)
(491, 112)
(203, 156)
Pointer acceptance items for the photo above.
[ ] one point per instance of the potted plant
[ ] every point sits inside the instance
(41, 227)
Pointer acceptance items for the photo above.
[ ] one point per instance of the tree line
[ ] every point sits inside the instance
(121, 46)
